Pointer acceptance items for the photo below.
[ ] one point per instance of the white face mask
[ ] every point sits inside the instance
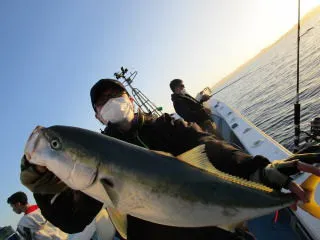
(117, 110)
(183, 91)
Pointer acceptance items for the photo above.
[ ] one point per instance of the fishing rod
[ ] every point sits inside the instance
(297, 104)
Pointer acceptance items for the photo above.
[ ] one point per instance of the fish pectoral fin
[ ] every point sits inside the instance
(197, 157)
(109, 187)
(312, 206)
(119, 221)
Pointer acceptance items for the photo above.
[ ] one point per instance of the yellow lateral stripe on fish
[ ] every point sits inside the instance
(198, 158)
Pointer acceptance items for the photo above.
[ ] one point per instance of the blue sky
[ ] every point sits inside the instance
(52, 52)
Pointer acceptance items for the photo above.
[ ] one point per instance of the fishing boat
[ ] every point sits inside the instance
(239, 131)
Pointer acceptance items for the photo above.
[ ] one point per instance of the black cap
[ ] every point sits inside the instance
(101, 86)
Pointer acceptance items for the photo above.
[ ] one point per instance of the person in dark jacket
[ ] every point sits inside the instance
(114, 108)
(190, 109)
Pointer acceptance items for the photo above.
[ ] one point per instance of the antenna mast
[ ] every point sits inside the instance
(141, 100)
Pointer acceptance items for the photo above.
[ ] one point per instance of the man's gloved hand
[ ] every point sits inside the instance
(277, 174)
(39, 179)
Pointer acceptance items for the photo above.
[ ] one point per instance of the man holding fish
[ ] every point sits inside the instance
(191, 186)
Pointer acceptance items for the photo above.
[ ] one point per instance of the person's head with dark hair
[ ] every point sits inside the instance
(177, 86)
(111, 102)
(18, 201)
(105, 88)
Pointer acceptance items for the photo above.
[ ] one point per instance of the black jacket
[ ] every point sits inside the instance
(169, 135)
(176, 137)
(71, 211)
(189, 108)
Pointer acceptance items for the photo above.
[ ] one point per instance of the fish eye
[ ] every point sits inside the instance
(55, 144)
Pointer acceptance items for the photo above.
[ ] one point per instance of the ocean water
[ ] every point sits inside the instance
(264, 90)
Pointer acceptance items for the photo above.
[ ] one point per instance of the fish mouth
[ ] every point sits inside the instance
(63, 163)
(32, 142)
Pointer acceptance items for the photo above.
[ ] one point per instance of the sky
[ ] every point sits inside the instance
(52, 52)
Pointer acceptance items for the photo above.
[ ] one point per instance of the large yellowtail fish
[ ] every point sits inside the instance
(183, 191)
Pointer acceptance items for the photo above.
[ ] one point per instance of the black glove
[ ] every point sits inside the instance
(277, 174)
(38, 182)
